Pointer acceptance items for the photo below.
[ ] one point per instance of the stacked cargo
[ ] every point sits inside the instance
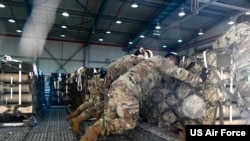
(213, 102)
(59, 89)
(17, 88)
(40, 88)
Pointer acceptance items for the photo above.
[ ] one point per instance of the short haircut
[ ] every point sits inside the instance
(173, 56)
(243, 18)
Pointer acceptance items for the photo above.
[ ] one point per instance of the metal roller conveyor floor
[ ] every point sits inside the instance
(53, 126)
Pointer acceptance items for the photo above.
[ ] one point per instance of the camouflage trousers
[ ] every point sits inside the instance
(95, 111)
(122, 115)
(85, 105)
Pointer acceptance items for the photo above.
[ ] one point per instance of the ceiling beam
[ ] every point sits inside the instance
(70, 58)
(225, 5)
(86, 9)
(57, 62)
(27, 7)
(215, 22)
(162, 14)
(97, 20)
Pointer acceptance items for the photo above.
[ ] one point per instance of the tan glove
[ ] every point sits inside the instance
(92, 133)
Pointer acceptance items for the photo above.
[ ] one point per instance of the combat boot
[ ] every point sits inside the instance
(75, 124)
(74, 114)
(92, 133)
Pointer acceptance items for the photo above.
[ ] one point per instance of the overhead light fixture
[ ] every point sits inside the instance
(64, 26)
(118, 21)
(182, 13)
(18, 31)
(11, 20)
(130, 42)
(158, 26)
(65, 14)
(142, 36)
(156, 32)
(248, 12)
(2, 5)
(231, 21)
(134, 5)
(164, 46)
(108, 32)
(62, 35)
(200, 32)
(180, 41)
(100, 39)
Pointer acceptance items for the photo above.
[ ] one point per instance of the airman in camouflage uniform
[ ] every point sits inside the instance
(92, 107)
(242, 58)
(123, 64)
(95, 108)
(237, 40)
(131, 89)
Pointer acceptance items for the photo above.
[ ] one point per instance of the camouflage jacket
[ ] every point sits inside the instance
(120, 66)
(237, 39)
(132, 88)
(168, 68)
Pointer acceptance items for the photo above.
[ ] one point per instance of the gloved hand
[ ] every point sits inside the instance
(103, 72)
(204, 73)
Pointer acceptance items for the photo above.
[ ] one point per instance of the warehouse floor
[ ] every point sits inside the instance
(53, 126)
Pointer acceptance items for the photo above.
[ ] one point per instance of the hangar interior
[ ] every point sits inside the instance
(44, 44)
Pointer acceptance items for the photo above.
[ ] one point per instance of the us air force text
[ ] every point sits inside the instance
(216, 133)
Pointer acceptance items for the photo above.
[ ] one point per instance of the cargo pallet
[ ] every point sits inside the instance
(18, 93)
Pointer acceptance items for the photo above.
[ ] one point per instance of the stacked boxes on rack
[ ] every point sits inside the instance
(59, 89)
(17, 88)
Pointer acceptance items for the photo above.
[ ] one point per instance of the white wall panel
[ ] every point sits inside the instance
(100, 53)
(48, 66)
(9, 45)
(64, 49)
(100, 56)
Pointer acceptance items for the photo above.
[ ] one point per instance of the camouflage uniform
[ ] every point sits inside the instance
(237, 38)
(94, 105)
(176, 114)
(120, 66)
(242, 60)
(133, 88)
(114, 70)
